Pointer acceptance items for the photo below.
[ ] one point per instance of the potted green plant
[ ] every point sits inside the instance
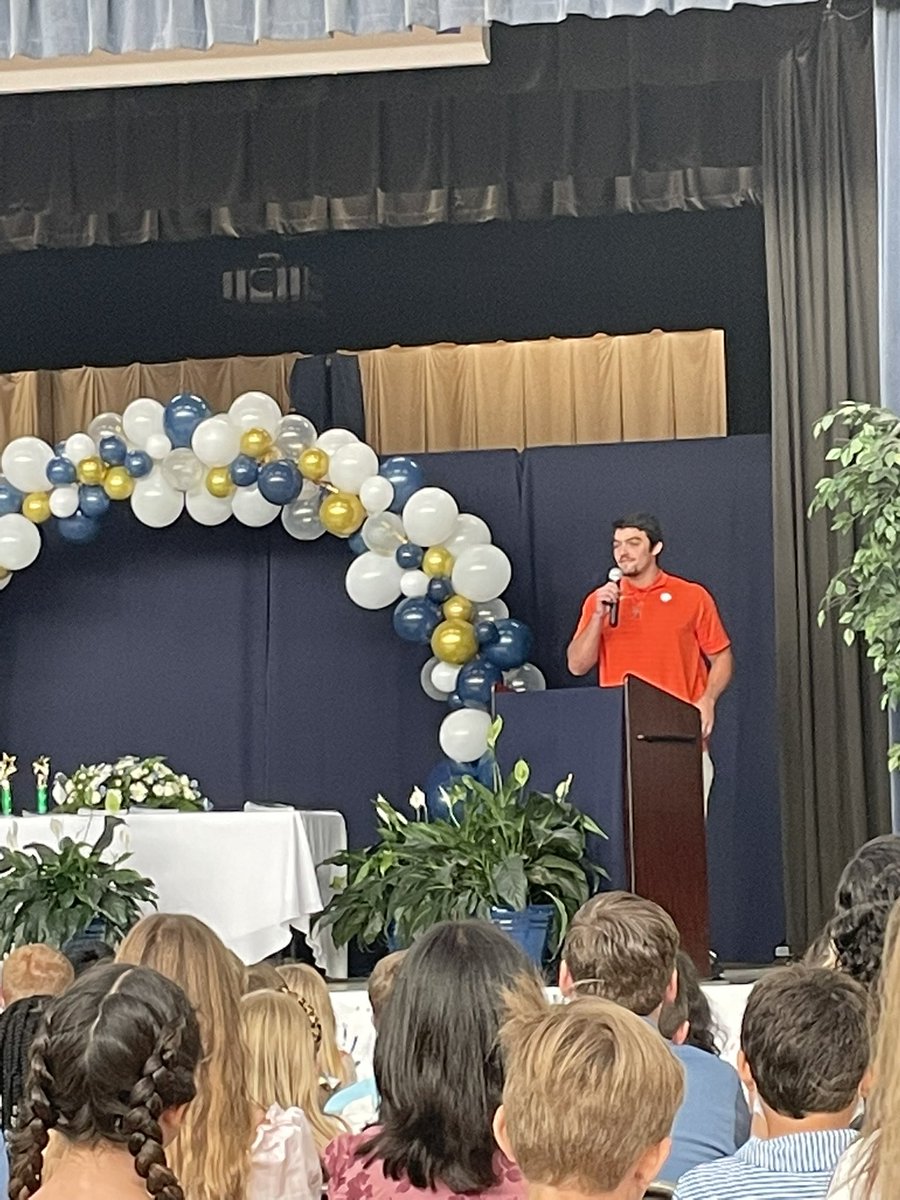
(863, 494)
(498, 852)
(53, 895)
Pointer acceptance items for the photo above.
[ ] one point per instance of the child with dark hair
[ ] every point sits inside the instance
(687, 1020)
(805, 1053)
(112, 1072)
(871, 875)
(857, 935)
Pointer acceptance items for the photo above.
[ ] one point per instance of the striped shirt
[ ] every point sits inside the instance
(798, 1166)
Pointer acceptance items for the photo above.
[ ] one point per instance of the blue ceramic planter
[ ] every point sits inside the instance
(528, 928)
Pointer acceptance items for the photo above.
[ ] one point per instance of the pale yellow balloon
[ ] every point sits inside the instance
(458, 608)
(118, 484)
(36, 507)
(454, 642)
(91, 470)
(342, 513)
(255, 442)
(313, 464)
(219, 482)
(437, 560)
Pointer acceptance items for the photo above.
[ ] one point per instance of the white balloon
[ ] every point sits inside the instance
(481, 573)
(444, 676)
(255, 410)
(24, 463)
(20, 542)
(301, 518)
(141, 419)
(64, 500)
(464, 733)
(216, 442)
(373, 581)
(469, 530)
(414, 583)
(383, 533)
(351, 465)
(79, 447)
(108, 424)
(207, 509)
(490, 610)
(376, 494)
(333, 439)
(5, 581)
(155, 502)
(252, 508)
(428, 687)
(158, 446)
(429, 516)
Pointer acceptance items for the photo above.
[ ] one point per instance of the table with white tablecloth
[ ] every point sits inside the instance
(250, 876)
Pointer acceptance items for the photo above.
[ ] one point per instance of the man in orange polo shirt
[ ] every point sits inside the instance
(669, 631)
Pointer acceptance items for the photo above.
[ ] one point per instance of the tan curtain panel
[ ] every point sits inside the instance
(556, 392)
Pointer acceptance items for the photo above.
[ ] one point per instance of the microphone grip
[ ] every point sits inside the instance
(614, 614)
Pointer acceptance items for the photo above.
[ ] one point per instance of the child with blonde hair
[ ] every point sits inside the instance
(306, 982)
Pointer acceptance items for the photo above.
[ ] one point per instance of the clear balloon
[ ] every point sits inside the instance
(64, 500)
(25, 461)
(155, 502)
(216, 441)
(527, 678)
(429, 516)
(255, 410)
(481, 573)
(443, 676)
(158, 446)
(490, 610)
(183, 470)
(20, 542)
(301, 519)
(252, 508)
(141, 419)
(469, 530)
(414, 583)
(333, 439)
(351, 465)
(428, 686)
(207, 509)
(373, 581)
(376, 494)
(108, 424)
(383, 533)
(294, 435)
(464, 734)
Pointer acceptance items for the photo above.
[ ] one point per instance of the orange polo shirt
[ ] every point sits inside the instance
(666, 633)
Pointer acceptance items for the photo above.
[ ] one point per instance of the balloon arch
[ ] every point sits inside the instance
(414, 548)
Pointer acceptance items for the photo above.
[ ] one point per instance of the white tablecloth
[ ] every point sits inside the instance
(250, 876)
(327, 834)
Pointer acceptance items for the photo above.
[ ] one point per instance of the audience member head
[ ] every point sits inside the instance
(18, 1023)
(688, 1019)
(112, 1062)
(35, 970)
(871, 875)
(438, 1065)
(805, 1046)
(381, 982)
(621, 947)
(260, 977)
(820, 951)
(306, 982)
(86, 952)
(590, 1096)
(282, 1032)
(880, 1162)
(857, 935)
(211, 1154)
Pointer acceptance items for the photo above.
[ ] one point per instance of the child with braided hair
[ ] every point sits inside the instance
(112, 1073)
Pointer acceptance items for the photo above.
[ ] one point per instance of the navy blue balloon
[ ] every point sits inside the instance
(78, 528)
(244, 471)
(182, 416)
(513, 644)
(486, 632)
(280, 482)
(455, 701)
(409, 556)
(356, 543)
(138, 463)
(60, 471)
(415, 619)
(475, 682)
(10, 498)
(439, 590)
(113, 450)
(92, 500)
(406, 475)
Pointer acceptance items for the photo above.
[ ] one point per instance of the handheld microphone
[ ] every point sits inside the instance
(614, 576)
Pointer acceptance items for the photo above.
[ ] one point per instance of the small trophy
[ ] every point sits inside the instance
(41, 769)
(7, 770)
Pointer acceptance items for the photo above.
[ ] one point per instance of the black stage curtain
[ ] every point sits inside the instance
(821, 242)
(646, 114)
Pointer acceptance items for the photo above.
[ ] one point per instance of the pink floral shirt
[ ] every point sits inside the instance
(350, 1179)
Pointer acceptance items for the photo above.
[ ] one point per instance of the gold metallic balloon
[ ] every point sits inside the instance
(342, 513)
(36, 507)
(454, 642)
(458, 608)
(219, 482)
(313, 464)
(91, 470)
(118, 484)
(437, 561)
(255, 442)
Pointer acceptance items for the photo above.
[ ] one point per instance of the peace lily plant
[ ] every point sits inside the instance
(498, 847)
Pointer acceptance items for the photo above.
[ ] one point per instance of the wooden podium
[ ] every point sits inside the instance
(636, 756)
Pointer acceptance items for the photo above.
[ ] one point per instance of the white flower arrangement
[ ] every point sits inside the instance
(130, 782)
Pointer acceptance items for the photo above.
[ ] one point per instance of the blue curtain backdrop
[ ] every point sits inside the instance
(237, 653)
